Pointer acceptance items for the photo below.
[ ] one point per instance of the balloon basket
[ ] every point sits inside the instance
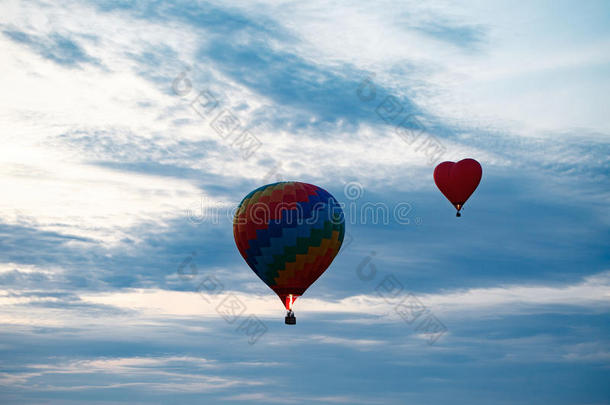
(457, 214)
(290, 318)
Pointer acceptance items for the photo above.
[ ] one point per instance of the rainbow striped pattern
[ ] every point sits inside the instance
(289, 233)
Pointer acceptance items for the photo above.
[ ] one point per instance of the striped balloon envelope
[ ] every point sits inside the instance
(289, 233)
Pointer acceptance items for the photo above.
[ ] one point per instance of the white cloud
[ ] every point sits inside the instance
(273, 398)
(160, 374)
(8, 267)
(153, 305)
(523, 76)
(593, 293)
(46, 181)
(49, 182)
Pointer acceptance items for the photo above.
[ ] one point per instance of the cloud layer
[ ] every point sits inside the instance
(118, 186)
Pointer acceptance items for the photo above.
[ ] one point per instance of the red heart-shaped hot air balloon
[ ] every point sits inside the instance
(457, 181)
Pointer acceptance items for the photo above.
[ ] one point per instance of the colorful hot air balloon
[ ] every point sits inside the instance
(457, 181)
(289, 233)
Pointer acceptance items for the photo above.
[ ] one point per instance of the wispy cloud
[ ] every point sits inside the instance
(55, 47)
(591, 295)
(166, 374)
(102, 163)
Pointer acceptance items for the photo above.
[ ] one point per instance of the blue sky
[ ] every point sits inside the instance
(118, 188)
